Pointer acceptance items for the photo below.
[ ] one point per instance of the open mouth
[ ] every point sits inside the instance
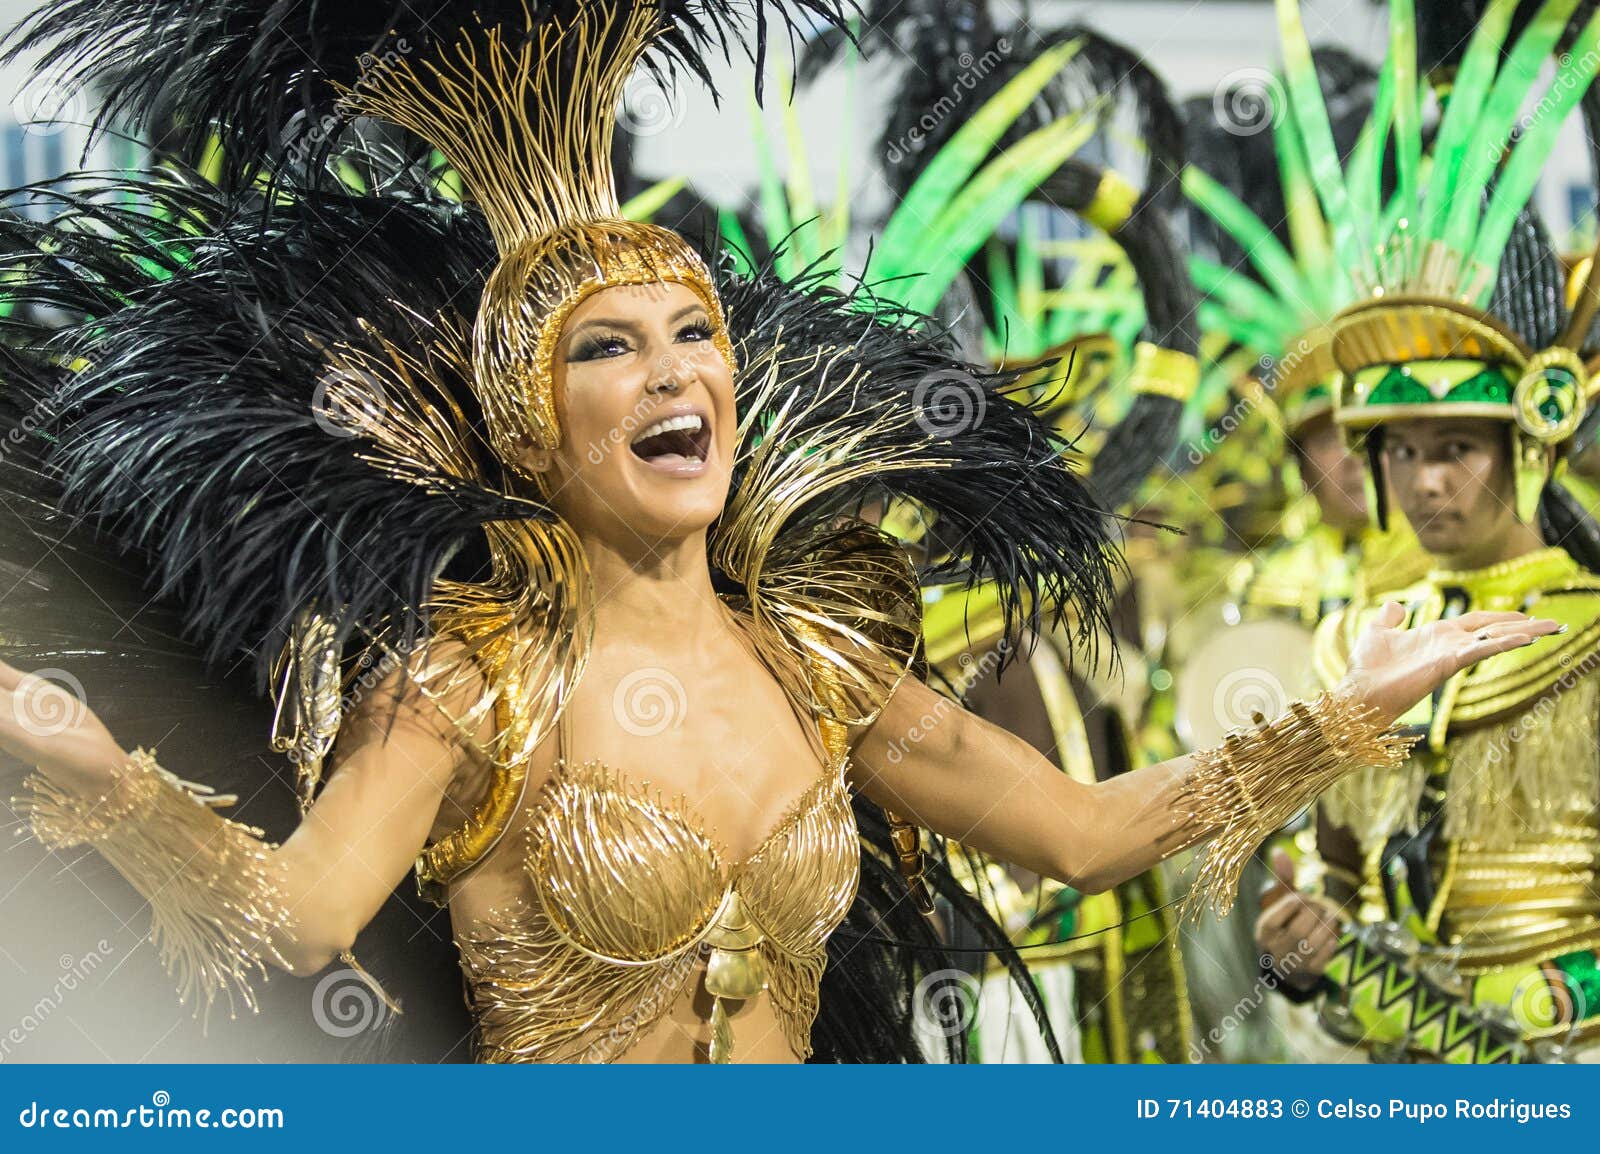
(674, 443)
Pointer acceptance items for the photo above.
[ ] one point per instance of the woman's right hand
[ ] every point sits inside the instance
(46, 725)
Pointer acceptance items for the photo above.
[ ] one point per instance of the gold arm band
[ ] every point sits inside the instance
(1163, 372)
(1114, 200)
(215, 899)
(1251, 785)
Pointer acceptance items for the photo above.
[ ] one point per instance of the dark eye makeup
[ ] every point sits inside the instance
(599, 346)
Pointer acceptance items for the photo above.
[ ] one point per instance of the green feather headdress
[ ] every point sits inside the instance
(1425, 262)
(1281, 314)
(1281, 318)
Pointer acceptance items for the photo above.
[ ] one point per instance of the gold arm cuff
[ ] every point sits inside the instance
(1251, 785)
(1163, 372)
(1114, 201)
(215, 898)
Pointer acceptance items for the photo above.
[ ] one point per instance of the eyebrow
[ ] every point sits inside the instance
(632, 327)
(604, 323)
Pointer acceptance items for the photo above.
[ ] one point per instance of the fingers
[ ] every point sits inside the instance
(1498, 622)
(1481, 617)
(1279, 914)
(1489, 647)
(1533, 627)
(10, 676)
(1391, 615)
(1305, 943)
(1306, 924)
(1322, 954)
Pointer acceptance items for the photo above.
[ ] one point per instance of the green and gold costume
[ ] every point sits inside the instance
(1487, 846)
(1476, 863)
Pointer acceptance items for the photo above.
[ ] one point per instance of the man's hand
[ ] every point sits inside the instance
(1391, 668)
(1298, 933)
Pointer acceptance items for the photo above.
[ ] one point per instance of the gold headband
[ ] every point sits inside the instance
(532, 292)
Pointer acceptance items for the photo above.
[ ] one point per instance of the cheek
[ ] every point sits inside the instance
(1398, 474)
(719, 383)
(592, 419)
(1493, 482)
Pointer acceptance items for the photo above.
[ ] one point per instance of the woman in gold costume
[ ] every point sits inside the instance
(624, 740)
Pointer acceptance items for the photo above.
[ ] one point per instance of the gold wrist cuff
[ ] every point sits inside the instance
(215, 898)
(1251, 785)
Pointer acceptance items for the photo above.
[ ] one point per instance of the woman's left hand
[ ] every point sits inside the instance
(1391, 669)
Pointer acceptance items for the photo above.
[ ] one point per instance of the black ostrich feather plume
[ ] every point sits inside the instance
(197, 430)
(1004, 504)
(264, 77)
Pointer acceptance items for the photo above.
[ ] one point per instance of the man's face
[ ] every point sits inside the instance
(1453, 480)
(1332, 475)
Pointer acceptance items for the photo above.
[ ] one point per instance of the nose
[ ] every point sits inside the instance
(671, 373)
(1433, 480)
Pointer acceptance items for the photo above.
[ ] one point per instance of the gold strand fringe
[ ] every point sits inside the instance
(1255, 782)
(1374, 803)
(1522, 779)
(216, 905)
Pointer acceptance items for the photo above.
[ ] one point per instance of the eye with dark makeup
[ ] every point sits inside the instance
(695, 331)
(599, 346)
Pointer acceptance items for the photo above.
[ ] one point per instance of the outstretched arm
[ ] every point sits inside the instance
(944, 768)
(223, 901)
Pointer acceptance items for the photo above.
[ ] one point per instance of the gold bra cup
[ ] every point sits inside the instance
(620, 875)
(633, 894)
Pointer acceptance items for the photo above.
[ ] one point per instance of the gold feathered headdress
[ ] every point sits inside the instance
(526, 114)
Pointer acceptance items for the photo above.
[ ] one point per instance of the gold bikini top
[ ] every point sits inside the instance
(631, 893)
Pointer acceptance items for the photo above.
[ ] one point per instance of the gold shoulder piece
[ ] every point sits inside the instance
(1509, 682)
(216, 900)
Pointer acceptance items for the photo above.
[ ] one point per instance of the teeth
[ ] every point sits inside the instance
(689, 424)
